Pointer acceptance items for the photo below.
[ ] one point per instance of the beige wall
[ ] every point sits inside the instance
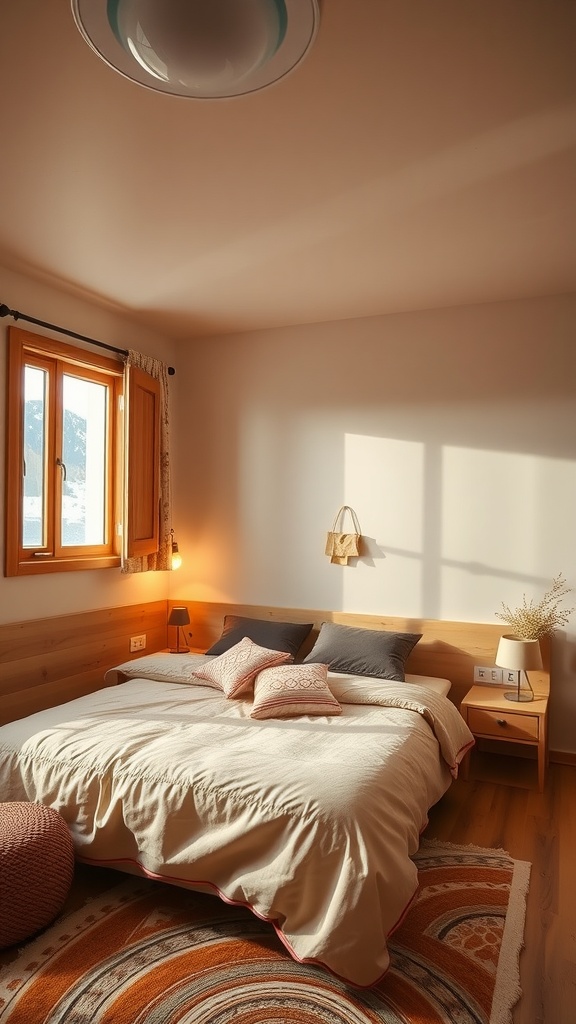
(452, 433)
(58, 593)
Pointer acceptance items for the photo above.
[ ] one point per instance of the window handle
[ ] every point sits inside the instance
(62, 467)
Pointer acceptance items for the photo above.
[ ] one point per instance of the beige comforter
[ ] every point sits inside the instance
(310, 821)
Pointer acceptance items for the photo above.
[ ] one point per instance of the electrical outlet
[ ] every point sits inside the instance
(137, 643)
(510, 676)
(488, 675)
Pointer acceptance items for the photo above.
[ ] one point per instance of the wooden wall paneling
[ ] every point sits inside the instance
(29, 700)
(24, 639)
(447, 649)
(48, 661)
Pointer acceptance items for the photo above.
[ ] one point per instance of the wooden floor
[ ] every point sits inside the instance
(532, 826)
(540, 828)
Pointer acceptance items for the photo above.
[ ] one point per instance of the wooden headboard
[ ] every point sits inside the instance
(44, 662)
(447, 649)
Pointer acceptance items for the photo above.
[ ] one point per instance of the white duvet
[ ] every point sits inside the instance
(310, 822)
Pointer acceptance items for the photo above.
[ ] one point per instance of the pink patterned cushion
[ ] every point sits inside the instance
(235, 671)
(287, 690)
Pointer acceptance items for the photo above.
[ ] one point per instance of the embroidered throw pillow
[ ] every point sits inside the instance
(287, 690)
(235, 671)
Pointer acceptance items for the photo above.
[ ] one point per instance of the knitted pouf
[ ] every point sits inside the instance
(36, 868)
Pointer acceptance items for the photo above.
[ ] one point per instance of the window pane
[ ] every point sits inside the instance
(84, 436)
(33, 511)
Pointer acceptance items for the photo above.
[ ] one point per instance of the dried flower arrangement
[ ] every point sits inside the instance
(532, 621)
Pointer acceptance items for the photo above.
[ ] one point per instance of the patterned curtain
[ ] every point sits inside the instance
(161, 559)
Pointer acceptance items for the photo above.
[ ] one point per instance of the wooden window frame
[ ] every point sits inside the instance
(58, 358)
(143, 491)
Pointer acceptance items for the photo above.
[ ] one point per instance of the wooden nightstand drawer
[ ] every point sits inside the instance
(502, 725)
(490, 716)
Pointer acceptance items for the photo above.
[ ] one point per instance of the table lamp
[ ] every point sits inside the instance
(179, 617)
(520, 656)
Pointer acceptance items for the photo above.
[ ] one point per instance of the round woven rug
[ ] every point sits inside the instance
(149, 953)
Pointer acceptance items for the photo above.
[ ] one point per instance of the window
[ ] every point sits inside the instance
(65, 458)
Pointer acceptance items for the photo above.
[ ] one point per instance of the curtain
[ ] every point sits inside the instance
(161, 559)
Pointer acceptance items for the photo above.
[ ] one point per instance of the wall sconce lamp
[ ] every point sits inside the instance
(176, 560)
(521, 656)
(179, 617)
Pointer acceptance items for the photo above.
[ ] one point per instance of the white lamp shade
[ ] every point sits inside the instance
(519, 655)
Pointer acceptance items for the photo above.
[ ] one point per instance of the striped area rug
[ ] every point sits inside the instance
(148, 953)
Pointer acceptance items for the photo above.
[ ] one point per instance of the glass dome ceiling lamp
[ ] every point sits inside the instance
(202, 49)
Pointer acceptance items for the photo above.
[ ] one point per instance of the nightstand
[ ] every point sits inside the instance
(490, 716)
(189, 650)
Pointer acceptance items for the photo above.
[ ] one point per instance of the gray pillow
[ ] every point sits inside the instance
(363, 652)
(276, 636)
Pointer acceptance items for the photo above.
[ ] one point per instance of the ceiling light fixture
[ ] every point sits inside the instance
(202, 49)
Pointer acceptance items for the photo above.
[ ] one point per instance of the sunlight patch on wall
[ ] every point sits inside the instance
(450, 531)
(502, 533)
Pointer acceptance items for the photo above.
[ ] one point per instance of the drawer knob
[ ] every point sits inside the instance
(501, 721)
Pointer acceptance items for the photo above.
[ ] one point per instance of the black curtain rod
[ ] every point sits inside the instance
(6, 311)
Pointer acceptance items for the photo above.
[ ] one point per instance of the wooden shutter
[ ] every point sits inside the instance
(143, 463)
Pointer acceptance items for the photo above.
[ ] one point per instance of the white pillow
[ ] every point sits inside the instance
(162, 666)
(235, 670)
(287, 690)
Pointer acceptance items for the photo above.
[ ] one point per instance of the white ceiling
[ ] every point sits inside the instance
(423, 155)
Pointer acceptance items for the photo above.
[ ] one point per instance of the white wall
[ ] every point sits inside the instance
(451, 432)
(25, 598)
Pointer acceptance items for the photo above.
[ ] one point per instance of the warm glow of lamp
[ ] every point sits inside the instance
(521, 656)
(176, 560)
(179, 617)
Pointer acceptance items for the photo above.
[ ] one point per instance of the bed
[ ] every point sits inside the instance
(309, 819)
